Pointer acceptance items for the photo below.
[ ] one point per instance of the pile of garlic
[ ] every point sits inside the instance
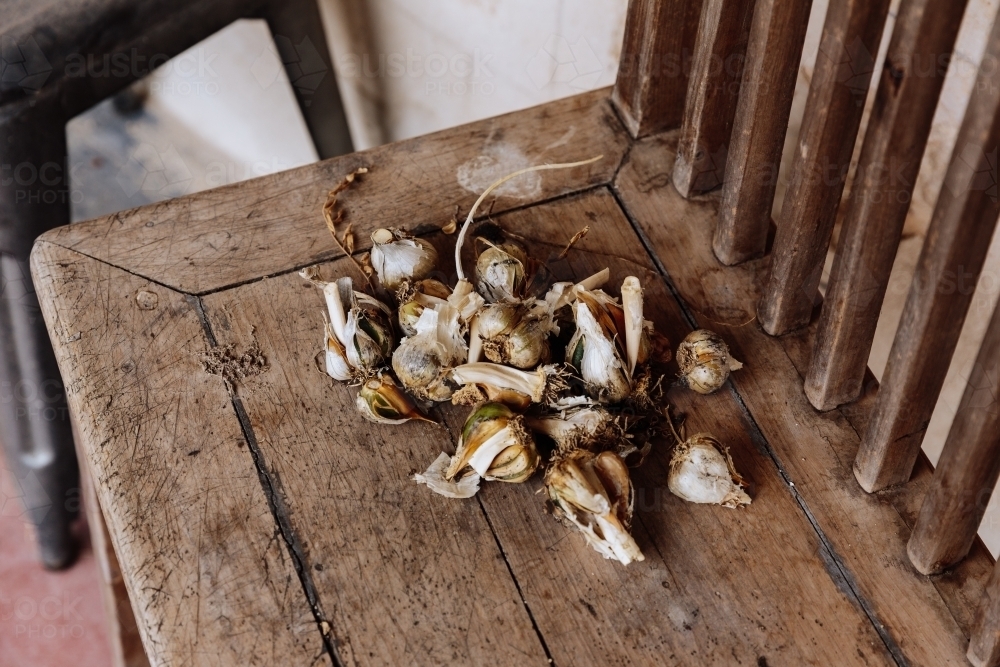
(490, 343)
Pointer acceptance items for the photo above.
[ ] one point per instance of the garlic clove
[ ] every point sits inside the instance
(382, 402)
(434, 478)
(704, 361)
(594, 494)
(398, 257)
(596, 358)
(701, 471)
(501, 272)
(573, 426)
(414, 298)
(337, 365)
(422, 362)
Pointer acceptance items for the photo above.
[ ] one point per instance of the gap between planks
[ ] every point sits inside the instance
(842, 574)
(280, 514)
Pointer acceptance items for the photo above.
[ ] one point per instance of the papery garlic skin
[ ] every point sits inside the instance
(414, 298)
(434, 478)
(704, 361)
(542, 385)
(575, 425)
(422, 362)
(398, 257)
(501, 272)
(700, 472)
(596, 358)
(593, 493)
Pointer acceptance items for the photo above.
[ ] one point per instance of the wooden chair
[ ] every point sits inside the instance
(58, 59)
(295, 527)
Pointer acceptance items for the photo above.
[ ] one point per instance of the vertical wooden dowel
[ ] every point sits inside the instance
(984, 646)
(655, 62)
(777, 32)
(946, 274)
(844, 66)
(713, 91)
(967, 471)
(894, 144)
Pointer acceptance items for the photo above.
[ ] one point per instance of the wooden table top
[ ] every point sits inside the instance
(259, 520)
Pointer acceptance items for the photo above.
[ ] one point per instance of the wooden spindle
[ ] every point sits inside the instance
(713, 92)
(946, 274)
(836, 101)
(655, 63)
(777, 32)
(967, 471)
(890, 159)
(984, 646)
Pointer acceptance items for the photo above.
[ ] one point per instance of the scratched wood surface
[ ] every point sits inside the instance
(216, 493)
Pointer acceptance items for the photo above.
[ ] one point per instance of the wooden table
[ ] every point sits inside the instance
(260, 521)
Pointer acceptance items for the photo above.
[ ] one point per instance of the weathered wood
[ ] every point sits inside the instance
(201, 555)
(844, 66)
(209, 240)
(880, 197)
(403, 576)
(655, 63)
(812, 449)
(571, 592)
(984, 647)
(953, 255)
(777, 32)
(967, 470)
(713, 91)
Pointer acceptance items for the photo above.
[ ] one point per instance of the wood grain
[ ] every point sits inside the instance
(945, 277)
(404, 576)
(206, 241)
(655, 63)
(777, 32)
(984, 647)
(588, 611)
(200, 553)
(851, 35)
(967, 470)
(713, 91)
(880, 197)
(813, 450)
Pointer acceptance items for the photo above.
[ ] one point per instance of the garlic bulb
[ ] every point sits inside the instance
(422, 362)
(415, 297)
(512, 334)
(396, 256)
(575, 426)
(382, 402)
(701, 471)
(433, 477)
(542, 385)
(704, 361)
(593, 492)
(593, 352)
(495, 444)
(506, 274)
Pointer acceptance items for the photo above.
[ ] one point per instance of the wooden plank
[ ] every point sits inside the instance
(655, 63)
(404, 576)
(777, 33)
(880, 197)
(814, 450)
(967, 470)
(953, 255)
(206, 241)
(844, 66)
(984, 647)
(713, 91)
(200, 553)
(589, 611)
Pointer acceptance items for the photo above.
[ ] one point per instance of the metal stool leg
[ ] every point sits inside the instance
(34, 419)
(298, 32)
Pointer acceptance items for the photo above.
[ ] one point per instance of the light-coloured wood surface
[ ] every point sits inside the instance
(215, 493)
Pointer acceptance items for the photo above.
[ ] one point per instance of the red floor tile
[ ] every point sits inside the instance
(47, 619)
